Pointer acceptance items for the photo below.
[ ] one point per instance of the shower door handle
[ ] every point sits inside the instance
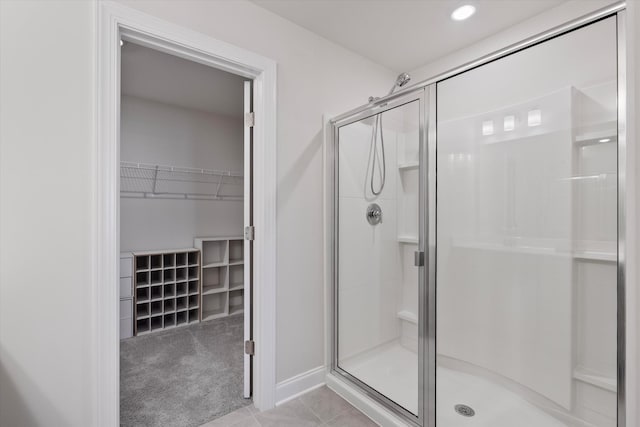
(418, 258)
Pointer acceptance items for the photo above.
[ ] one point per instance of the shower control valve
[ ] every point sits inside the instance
(374, 214)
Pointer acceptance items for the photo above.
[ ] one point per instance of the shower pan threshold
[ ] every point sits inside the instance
(392, 369)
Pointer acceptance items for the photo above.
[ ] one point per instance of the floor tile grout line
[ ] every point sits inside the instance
(331, 419)
(310, 410)
(256, 419)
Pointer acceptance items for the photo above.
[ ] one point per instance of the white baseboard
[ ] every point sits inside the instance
(300, 384)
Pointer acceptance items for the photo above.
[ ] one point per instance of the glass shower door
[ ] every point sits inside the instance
(527, 237)
(377, 233)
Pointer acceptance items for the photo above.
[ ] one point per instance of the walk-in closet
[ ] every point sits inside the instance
(182, 248)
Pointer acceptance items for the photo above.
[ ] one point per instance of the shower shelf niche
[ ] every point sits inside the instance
(222, 274)
(601, 133)
(408, 166)
(579, 255)
(411, 240)
(408, 316)
(606, 383)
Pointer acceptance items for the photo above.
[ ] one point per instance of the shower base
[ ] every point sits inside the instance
(393, 370)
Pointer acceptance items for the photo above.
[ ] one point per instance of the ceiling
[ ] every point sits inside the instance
(157, 76)
(404, 34)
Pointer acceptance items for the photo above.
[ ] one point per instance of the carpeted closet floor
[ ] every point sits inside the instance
(182, 377)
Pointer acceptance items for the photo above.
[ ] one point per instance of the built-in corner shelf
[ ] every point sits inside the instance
(408, 316)
(596, 256)
(606, 383)
(596, 138)
(602, 133)
(167, 289)
(411, 240)
(222, 274)
(408, 166)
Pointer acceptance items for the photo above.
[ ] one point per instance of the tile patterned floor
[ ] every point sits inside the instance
(320, 407)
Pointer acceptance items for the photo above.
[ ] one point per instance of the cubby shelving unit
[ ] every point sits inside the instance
(222, 273)
(167, 289)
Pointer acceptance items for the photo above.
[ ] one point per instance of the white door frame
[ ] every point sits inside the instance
(116, 22)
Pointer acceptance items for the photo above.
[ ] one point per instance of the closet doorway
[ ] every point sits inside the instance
(186, 231)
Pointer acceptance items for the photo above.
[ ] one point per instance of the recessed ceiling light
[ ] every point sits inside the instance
(463, 12)
(605, 140)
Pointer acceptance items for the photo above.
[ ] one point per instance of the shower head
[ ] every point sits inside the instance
(401, 80)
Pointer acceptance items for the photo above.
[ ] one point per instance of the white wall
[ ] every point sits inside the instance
(47, 213)
(156, 133)
(48, 199)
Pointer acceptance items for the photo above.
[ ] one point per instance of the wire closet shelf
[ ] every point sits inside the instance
(144, 180)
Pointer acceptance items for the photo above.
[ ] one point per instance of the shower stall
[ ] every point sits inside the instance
(477, 239)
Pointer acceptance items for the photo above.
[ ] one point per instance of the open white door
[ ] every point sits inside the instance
(248, 236)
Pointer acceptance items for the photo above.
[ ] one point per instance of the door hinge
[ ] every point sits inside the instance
(249, 119)
(249, 232)
(418, 258)
(250, 347)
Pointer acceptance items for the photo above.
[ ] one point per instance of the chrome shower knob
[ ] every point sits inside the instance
(374, 214)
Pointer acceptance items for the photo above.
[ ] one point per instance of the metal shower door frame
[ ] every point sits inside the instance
(419, 95)
(426, 90)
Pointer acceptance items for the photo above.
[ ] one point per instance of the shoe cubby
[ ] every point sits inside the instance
(214, 305)
(181, 289)
(193, 301)
(156, 308)
(214, 279)
(142, 326)
(181, 259)
(156, 323)
(214, 252)
(169, 260)
(169, 320)
(142, 263)
(167, 289)
(181, 274)
(142, 278)
(236, 302)
(181, 303)
(156, 292)
(236, 251)
(142, 310)
(236, 277)
(193, 258)
(142, 295)
(169, 275)
(156, 261)
(182, 318)
(170, 290)
(156, 277)
(193, 287)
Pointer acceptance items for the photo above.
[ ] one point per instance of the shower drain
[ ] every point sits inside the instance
(464, 410)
